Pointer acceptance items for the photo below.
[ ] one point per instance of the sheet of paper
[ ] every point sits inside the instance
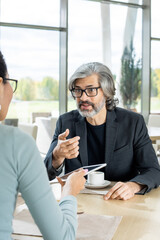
(90, 227)
(93, 191)
(97, 227)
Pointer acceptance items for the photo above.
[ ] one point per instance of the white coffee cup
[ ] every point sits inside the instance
(96, 178)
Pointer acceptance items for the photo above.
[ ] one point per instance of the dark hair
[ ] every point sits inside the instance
(3, 67)
(105, 78)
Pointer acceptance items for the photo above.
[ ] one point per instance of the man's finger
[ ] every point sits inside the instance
(63, 135)
(71, 156)
(73, 150)
(73, 140)
(70, 142)
(112, 190)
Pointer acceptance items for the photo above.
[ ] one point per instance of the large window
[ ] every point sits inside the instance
(95, 34)
(33, 59)
(155, 56)
(31, 50)
(37, 12)
(34, 42)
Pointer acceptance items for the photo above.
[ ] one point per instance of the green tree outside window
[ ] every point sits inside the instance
(130, 81)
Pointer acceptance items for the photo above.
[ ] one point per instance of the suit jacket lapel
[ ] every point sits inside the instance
(81, 131)
(111, 133)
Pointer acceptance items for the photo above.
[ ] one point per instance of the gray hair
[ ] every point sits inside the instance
(105, 79)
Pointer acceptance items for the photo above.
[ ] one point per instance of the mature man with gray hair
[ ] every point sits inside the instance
(100, 132)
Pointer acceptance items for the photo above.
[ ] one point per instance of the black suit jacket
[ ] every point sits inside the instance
(128, 149)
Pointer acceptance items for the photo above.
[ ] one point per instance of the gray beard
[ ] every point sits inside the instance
(96, 109)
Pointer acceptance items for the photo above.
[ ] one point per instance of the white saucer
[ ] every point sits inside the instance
(105, 184)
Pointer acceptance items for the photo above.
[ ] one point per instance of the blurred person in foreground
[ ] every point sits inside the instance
(100, 132)
(22, 170)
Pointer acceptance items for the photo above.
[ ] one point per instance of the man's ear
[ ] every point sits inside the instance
(1, 80)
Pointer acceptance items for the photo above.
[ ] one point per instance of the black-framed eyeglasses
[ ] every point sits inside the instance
(13, 83)
(90, 92)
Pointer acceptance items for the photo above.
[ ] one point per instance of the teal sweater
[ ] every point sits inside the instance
(22, 170)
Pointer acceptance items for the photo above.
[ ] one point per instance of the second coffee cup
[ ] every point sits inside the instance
(96, 178)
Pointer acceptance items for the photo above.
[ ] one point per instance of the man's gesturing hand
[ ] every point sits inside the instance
(66, 148)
